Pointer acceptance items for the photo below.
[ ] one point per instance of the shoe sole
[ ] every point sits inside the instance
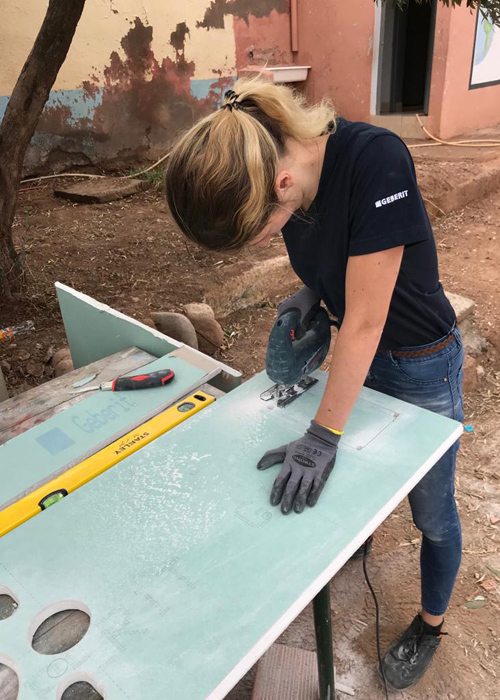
(400, 690)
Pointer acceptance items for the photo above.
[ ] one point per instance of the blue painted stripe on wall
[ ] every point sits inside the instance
(81, 104)
(3, 104)
(201, 88)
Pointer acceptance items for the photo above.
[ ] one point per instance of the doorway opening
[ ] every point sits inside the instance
(406, 48)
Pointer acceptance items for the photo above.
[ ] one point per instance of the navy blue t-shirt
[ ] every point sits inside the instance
(367, 201)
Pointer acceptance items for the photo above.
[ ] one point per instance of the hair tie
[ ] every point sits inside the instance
(232, 102)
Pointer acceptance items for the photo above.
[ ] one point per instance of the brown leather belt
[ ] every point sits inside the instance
(425, 352)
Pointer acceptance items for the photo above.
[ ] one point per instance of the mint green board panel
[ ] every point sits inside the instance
(95, 330)
(34, 456)
(188, 574)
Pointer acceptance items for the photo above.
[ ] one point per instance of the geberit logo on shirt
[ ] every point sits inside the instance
(391, 199)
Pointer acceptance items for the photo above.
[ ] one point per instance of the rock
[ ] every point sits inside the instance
(5, 365)
(243, 286)
(63, 367)
(176, 326)
(102, 190)
(462, 305)
(62, 354)
(23, 355)
(470, 375)
(475, 344)
(149, 322)
(209, 331)
(35, 369)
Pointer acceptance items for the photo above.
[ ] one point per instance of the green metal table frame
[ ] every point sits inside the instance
(324, 643)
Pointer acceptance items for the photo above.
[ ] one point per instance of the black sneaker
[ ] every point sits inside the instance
(406, 661)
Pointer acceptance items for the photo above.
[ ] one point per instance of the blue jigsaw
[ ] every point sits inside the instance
(298, 345)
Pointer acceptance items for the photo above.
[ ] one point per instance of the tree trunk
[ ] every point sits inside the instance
(21, 118)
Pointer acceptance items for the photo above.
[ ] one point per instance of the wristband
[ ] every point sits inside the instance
(332, 430)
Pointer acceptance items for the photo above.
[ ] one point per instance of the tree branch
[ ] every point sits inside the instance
(489, 8)
(21, 118)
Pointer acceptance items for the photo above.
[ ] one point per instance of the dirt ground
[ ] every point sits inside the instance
(128, 254)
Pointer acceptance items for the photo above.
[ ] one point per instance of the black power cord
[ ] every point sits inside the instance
(377, 619)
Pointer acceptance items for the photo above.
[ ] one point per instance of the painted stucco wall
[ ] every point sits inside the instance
(453, 108)
(336, 40)
(138, 71)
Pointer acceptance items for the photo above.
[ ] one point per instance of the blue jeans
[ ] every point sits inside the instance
(433, 382)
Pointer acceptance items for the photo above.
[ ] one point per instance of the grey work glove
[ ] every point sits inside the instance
(307, 464)
(306, 302)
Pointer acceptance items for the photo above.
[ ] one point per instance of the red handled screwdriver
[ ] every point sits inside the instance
(138, 381)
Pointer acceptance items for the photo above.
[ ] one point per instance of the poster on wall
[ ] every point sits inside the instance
(486, 58)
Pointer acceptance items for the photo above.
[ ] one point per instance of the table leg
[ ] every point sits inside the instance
(324, 644)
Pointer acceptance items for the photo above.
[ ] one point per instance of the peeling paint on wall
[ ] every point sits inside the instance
(146, 99)
(139, 105)
(178, 38)
(218, 9)
(139, 72)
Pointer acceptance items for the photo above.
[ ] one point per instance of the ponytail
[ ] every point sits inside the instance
(220, 179)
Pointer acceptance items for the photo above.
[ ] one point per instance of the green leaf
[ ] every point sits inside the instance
(490, 8)
(495, 572)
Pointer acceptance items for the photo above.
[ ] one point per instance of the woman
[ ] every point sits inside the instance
(345, 197)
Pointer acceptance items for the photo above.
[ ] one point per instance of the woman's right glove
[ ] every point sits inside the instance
(307, 464)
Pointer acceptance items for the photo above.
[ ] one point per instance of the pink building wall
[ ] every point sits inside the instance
(454, 109)
(262, 40)
(336, 40)
(136, 76)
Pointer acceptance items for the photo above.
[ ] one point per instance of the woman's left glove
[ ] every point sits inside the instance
(307, 464)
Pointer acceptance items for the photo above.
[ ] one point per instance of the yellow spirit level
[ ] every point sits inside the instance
(53, 491)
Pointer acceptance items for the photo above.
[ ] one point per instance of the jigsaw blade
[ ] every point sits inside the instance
(284, 395)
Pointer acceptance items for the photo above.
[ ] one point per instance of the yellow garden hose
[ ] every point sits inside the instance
(471, 143)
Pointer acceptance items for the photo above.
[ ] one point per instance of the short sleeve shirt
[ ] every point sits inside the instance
(368, 200)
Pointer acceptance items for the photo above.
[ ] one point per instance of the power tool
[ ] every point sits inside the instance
(298, 345)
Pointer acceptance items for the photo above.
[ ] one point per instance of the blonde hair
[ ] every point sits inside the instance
(220, 178)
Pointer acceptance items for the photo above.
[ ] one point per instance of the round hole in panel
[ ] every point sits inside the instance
(80, 685)
(59, 627)
(8, 603)
(9, 680)
(81, 690)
